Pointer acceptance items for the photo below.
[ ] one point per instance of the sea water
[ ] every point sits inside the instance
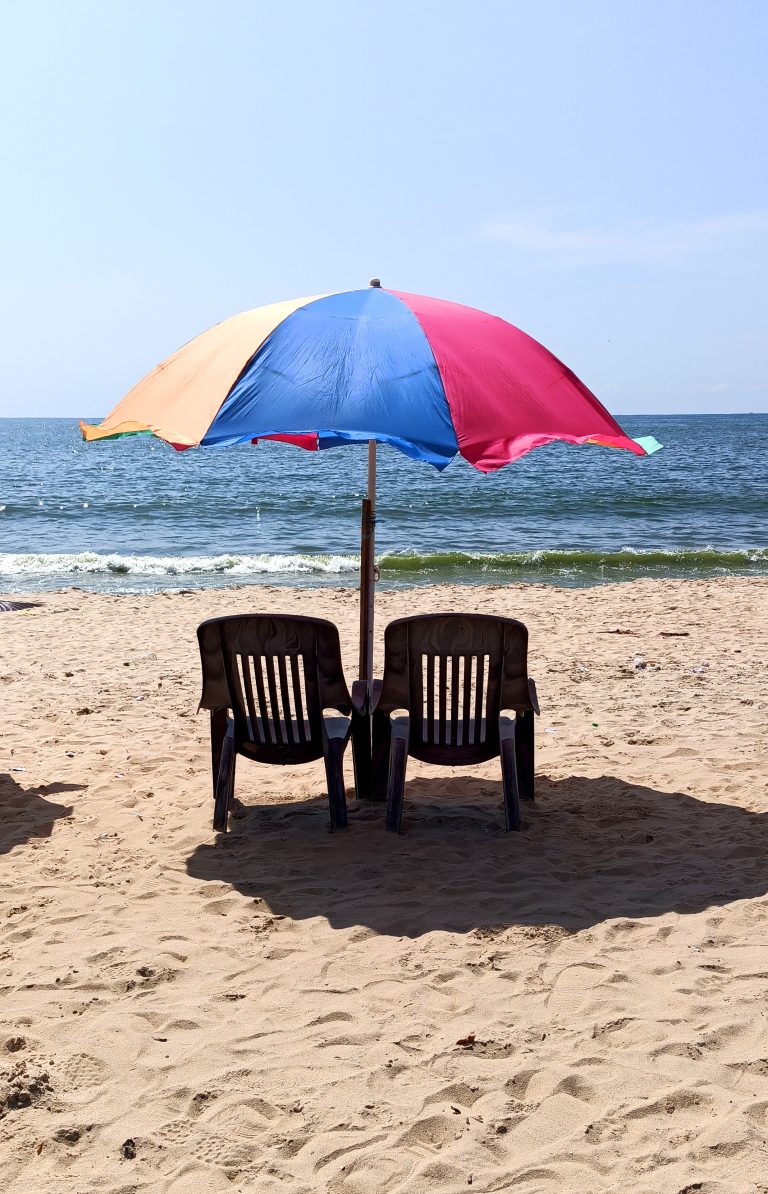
(134, 515)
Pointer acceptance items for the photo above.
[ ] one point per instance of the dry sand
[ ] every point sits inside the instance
(579, 1007)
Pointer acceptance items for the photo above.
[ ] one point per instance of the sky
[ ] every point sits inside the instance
(594, 172)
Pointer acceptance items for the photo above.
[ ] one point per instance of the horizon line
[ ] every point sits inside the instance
(668, 414)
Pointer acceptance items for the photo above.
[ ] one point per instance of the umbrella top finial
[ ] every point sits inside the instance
(375, 282)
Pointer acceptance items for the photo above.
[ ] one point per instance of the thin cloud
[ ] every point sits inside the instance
(638, 243)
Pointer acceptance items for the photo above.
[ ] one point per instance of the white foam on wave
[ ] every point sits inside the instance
(94, 563)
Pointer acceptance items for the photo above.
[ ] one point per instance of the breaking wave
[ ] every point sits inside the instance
(577, 566)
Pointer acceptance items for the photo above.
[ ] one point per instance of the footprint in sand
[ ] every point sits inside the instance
(491, 1050)
(573, 987)
(149, 977)
(378, 1174)
(223, 907)
(330, 1018)
(214, 1149)
(342, 1150)
(677, 1101)
(458, 1093)
(83, 1070)
(222, 1151)
(177, 1131)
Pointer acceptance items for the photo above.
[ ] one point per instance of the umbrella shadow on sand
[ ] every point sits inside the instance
(27, 813)
(592, 850)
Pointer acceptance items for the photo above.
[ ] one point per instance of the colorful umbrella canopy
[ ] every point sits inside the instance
(432, 378)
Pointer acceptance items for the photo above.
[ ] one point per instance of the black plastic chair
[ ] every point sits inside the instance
(455, 691)
(281, 676)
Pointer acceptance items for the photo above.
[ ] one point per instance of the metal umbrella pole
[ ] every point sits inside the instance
(361, 690)
(367, 569)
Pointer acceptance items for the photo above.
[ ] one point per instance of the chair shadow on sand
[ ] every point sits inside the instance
(27, 813)
(591, 850)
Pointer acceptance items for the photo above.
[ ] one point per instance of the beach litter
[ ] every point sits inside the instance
(700, 667)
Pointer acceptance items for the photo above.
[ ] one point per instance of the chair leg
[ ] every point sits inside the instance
(219, 720)
(225, 781)
(398, 761)
(361, 754)
(380, 751)
(334, 775)
(525, 753)
(507, 738)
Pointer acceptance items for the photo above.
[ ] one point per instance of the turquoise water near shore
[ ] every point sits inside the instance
(133, 515)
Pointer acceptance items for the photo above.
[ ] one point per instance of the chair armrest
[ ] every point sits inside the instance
(217, 712)
(336, 724)
(534, 696)
(507, 724)
(400, 722)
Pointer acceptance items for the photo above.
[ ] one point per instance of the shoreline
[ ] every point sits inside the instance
(288, 1010)
(394, 579)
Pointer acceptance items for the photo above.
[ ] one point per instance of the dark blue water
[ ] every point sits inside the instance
(133, 514)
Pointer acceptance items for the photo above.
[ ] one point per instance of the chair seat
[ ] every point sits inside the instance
(285, 741)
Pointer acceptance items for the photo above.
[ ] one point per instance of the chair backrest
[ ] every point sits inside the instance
(454, 673)
(276, 673)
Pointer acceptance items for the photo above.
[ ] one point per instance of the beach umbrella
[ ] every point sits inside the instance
(434, 379)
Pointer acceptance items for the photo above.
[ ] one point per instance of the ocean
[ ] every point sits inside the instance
(133, 515)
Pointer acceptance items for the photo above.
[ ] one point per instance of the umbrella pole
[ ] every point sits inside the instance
(367, 556)
(361, 711)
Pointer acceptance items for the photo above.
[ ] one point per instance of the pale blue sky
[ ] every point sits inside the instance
(595, 172)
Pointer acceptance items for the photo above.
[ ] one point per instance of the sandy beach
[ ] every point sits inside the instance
(579, 1007)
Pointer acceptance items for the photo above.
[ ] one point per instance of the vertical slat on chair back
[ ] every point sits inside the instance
(451, 697)
(481, 674)
(271, 667)
(428, 661)
(274, 711)
(274, 699)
